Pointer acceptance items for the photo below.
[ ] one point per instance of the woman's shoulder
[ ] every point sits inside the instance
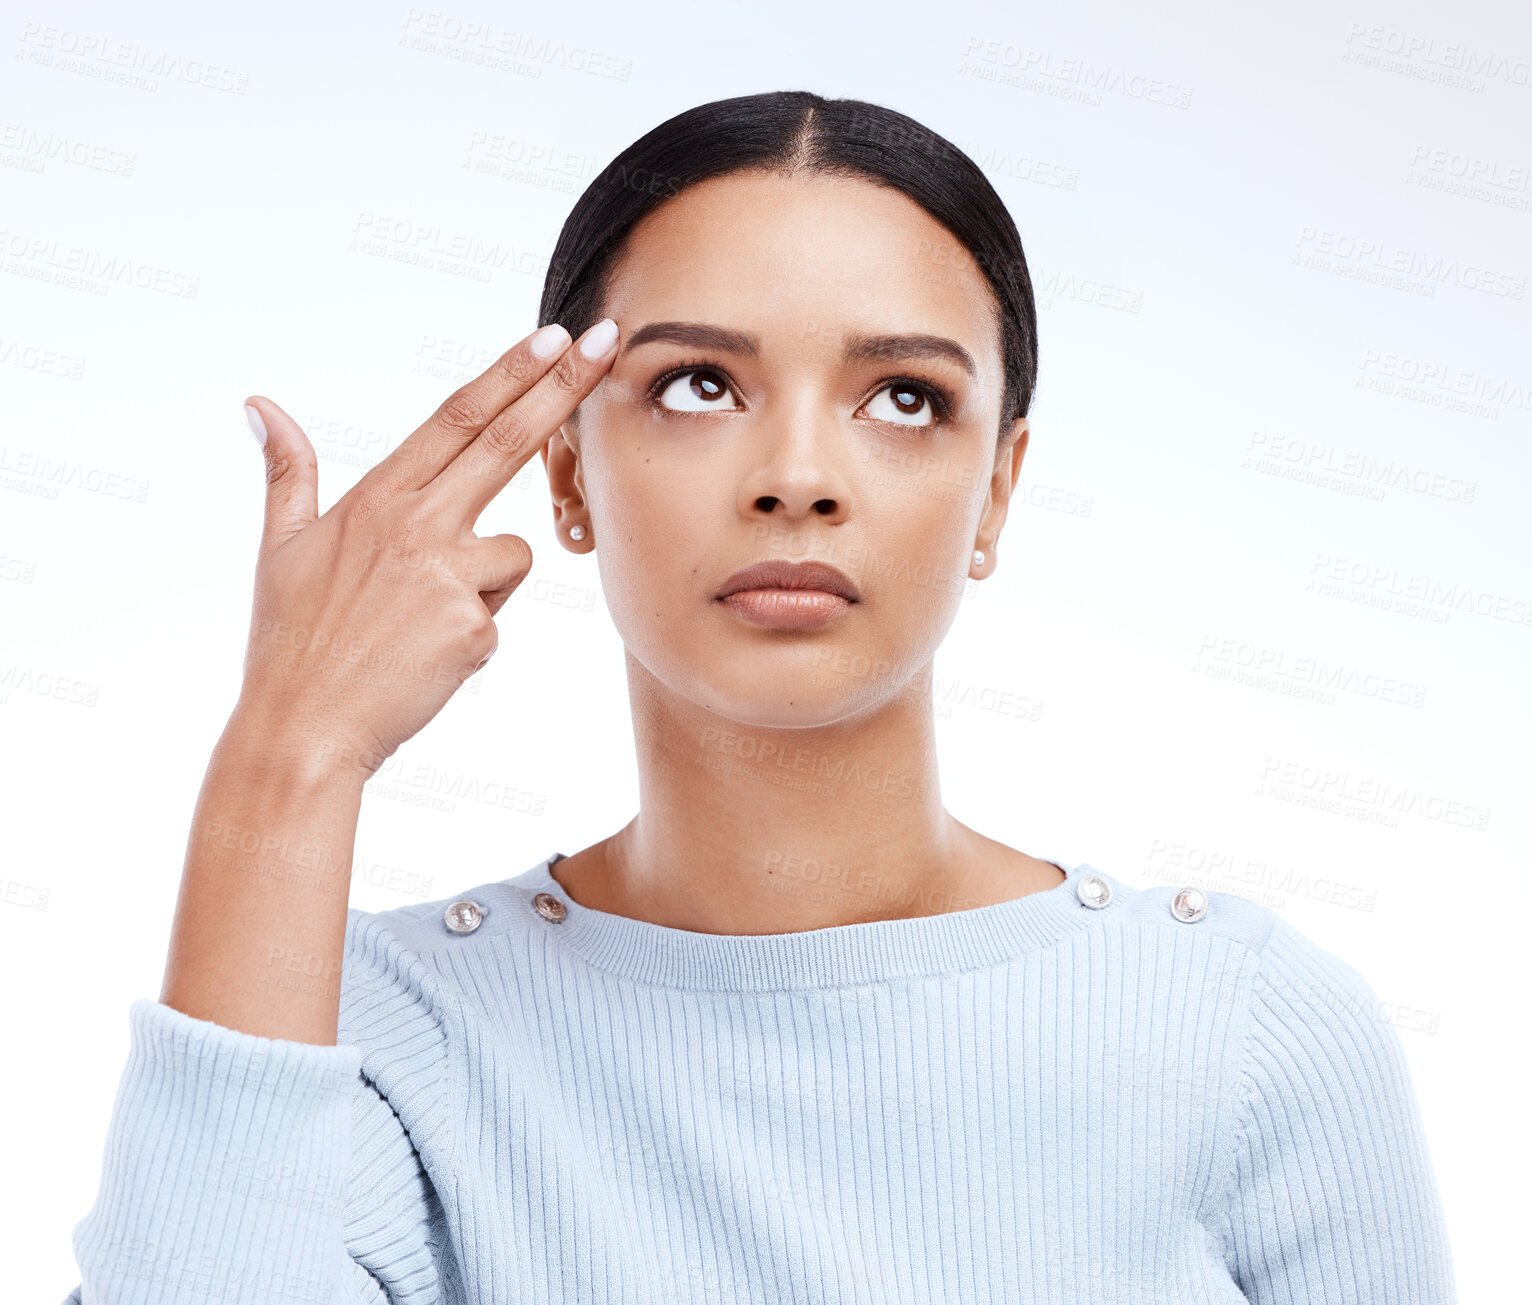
(409, 951)
(426, 930)
(1279, 955)
(1188, 909)
(406, 1000)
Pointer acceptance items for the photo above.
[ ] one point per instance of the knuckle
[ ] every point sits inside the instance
(381, 520)
(460, 412)
(408, 529)
(360, 527)
(519, 367)
(366, 503)
(470, 623)
(501, 567)
(508, 432)
(568, 376)
(281, 463)
(518, 556)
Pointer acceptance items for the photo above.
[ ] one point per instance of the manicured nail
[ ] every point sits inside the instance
(550, 340)
(599, 338)
(256, 424)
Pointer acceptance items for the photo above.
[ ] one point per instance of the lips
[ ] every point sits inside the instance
(778, 574)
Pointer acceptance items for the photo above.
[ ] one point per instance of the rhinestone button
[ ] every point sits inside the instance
(464, 915)
(549, 907)
(1094, 891)
(1190, 904)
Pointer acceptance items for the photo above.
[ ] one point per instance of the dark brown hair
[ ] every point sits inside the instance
(799, 131)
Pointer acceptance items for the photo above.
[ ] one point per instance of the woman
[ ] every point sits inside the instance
(794, 1032)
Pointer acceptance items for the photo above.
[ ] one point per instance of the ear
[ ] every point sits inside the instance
(1002, 481)
(566, 487)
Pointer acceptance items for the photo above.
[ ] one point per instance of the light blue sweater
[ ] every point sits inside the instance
(1038, 1100)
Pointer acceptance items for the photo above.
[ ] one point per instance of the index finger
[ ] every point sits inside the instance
(465, 412)
(488, 464)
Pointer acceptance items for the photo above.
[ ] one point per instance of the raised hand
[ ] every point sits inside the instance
(367, 619)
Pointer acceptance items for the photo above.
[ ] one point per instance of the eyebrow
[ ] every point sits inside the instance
(859, 348)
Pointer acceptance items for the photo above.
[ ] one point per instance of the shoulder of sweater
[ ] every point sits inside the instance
(387, 960)
(405, 946)
(1299, 978)
(1229, 916)
(420, 928)
(400, 1005)
(1291, 971)
(1287, 959)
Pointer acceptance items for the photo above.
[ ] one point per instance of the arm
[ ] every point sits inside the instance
(225, 1167)
(1334, 1195)
(260, 921)
(226, 1157)
(365, 621)
(245, 1169)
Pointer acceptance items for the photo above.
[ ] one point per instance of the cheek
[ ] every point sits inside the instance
(920, 553)
(920, 522)
(645, 532)
(628, 547)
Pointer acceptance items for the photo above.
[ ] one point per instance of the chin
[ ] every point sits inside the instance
(795, 700)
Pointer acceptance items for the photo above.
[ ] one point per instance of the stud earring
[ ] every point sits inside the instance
(978, 557)
(577, 532)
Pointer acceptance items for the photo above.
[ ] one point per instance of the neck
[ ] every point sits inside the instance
(746, 829)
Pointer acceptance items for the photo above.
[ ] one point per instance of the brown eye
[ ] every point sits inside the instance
(697, 390)
(905, 401)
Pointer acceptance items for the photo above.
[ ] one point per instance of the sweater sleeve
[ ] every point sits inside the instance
(239, 1168)
(1334, 1196)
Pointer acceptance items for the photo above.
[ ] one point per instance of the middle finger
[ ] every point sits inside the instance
(465, 413)
(487, 465)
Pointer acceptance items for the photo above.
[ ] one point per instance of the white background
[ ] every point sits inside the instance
(1261, 617)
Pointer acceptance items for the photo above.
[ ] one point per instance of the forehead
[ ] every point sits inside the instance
(798, 257)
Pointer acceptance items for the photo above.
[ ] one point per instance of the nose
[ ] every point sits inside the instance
(799, 473)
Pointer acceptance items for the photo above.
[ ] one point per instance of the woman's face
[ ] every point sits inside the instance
(775, 438)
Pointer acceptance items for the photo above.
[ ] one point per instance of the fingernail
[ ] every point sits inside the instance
(256, 424)
(599, 338)
(548, 341)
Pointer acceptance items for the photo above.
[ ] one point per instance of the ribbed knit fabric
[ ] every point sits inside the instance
(1032, 1101)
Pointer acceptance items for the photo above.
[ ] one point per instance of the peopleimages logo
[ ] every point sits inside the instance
(34, 149)
(1372, 257)
(43, 258)
(1431, 54)
(106, 59)
(1088, 76)
(1437, 376)
(1338, 785)
(434, 31)
(1472, 168)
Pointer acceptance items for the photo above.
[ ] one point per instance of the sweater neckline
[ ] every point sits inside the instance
(837, 956)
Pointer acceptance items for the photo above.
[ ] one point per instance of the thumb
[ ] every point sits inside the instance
(292, 471)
